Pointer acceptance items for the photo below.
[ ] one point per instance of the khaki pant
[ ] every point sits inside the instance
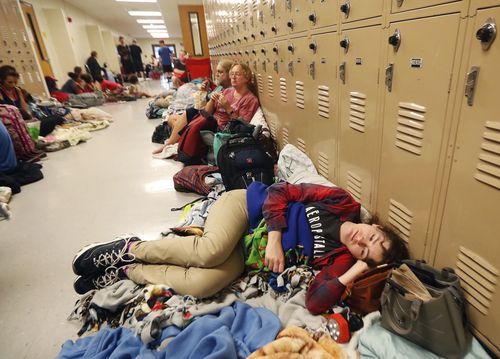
(198, 266)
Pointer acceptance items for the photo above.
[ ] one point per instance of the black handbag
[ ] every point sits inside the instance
(438, 324)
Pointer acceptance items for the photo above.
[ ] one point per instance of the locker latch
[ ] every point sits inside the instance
(345, 44)
(487, 33)
(395, 39)
(274, 29)
(291, 48)
(312, 70)
(346, 8)
(389, 71)
(289, 4)
(312, 17)
(275, 65)
(400, 3)
(290, 24)
(273, 8)
(275, 49)
(264, 66)
(470, 84)
(313, 46)
(342, 72)
(290, 67)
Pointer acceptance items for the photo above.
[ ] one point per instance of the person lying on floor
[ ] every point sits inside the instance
(239, 101)
(203, 265)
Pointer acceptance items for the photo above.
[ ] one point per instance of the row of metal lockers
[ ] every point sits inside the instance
(16, 47)
(397, 102)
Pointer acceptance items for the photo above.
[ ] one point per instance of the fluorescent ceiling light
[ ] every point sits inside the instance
(157, 35)
(144, 13)
(150, 21)
(137, 0)
(154, 26)
(163, 31)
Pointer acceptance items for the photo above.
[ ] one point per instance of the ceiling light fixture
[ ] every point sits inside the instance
(150, 21)
(154, 26)
(137, 0)
(144, 13)
(157, 35)
(163, 31)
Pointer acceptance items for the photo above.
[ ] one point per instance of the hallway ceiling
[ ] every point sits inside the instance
(115, 15)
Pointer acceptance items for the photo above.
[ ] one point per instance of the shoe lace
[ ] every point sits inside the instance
(114, 256)
(110, 277)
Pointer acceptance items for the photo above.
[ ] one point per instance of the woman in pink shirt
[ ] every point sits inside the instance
(235, 102)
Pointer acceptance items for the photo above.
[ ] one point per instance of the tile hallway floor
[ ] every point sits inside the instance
(91, 192)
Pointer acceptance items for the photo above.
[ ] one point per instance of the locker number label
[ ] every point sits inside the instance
(358, 61)
(416, 63)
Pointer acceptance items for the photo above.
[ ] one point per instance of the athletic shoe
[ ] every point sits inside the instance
(84, 284)
(95, 258)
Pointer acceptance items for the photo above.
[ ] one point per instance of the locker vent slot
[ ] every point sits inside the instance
(401, 218)
(301, 145)
(354, 185)
(260, 83)
(285, 136)
(410, 129)
(299, 94)
(478, 279)
(255, 5)
(283, 89)
(270, 86)
(273, 128)
(324, 101)
(488, 167)
(357, 111)
(323, 167)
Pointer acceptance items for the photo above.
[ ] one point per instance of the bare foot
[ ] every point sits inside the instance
(158, 150)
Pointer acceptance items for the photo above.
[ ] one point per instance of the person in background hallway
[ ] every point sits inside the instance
(93, 65)
(180, 71)
(136, 53)
(72, 85)
(166, 59)
(125, 57)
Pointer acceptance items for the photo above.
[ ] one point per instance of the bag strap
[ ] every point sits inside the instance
(396, 324)
(202, 198)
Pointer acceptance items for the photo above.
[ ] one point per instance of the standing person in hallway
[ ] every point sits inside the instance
(125, 57)
(136, 53)
(166, 59)
(94, 67)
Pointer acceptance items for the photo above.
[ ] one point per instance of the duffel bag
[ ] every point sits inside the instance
(192, 179)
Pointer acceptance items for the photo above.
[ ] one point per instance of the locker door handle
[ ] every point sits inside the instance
(395, 39)
(273, 8)
(400, 3)
(289, 4)
(264, 66)
(342, 72)
(290, 67)
(312, 70)
(389, 71)
(275, 65)
(470, 85)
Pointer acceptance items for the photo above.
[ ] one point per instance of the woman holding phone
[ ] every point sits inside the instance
(238, 101)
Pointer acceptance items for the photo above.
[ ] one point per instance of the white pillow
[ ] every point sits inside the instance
(259, 119)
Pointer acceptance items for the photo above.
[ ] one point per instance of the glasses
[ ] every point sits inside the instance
(236, 74)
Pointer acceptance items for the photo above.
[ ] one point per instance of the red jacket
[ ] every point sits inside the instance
(325, 290)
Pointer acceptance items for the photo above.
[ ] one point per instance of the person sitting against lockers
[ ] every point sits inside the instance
(201, 265)
(72, 85)
(180, 70)
(239, 101)
(88, 83)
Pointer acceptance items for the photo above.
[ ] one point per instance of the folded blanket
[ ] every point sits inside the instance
(295, 342)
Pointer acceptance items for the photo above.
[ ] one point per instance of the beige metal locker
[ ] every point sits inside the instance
(323, 13)
(354, 10)
(323, 117)
(297, 13)
(418, 74)
(470, 228)
(359, 122)
(405, 5)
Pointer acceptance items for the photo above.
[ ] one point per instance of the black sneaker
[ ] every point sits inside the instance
(94, 259)
(112, 275)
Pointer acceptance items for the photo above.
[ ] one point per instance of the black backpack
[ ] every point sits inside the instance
(242, 160)
(161, 133)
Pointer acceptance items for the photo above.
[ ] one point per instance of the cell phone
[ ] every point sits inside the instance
(218, 89)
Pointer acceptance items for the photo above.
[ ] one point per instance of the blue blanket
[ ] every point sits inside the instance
(234, 332)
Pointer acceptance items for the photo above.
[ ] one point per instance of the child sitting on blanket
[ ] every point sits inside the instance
(134, 89)
(203, 265)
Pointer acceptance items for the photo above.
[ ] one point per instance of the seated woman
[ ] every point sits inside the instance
(235, 102)
(72, 85)
(87, 83)
(13, 102)
(203, 265)
(109, 86)
(134, 89)
(180, 71)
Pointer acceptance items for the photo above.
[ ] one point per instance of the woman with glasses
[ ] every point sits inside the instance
(238, 101)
